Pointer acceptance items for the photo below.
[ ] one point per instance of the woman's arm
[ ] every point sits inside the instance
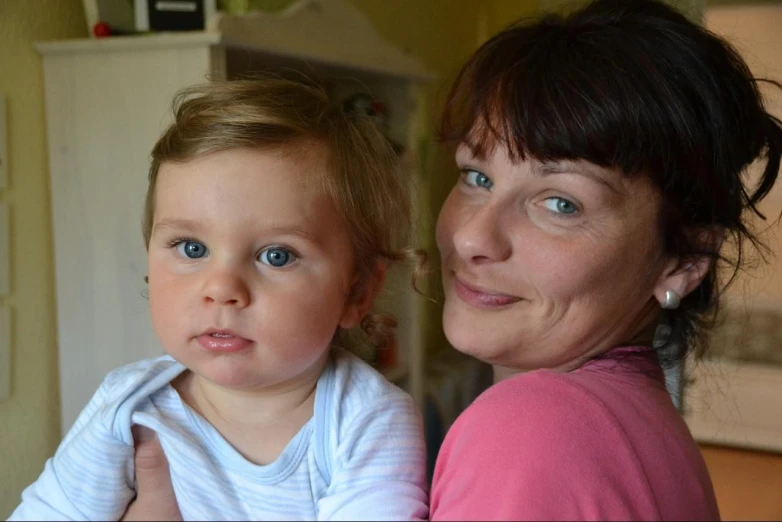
(155, 499)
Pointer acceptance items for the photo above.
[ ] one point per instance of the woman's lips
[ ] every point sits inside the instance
(481, 298)
(223, 341)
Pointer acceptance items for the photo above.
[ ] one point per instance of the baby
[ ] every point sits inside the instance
(270, 218)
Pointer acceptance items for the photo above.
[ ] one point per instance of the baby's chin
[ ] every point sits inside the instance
(230, 370)
(234, 379)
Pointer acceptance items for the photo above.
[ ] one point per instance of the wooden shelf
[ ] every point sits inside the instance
(329, 32)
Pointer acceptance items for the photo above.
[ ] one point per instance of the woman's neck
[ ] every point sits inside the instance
(642, 336)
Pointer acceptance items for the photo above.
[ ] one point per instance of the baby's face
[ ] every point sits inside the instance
(249, 267)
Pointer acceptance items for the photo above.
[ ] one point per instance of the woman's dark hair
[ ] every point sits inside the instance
(632, 85)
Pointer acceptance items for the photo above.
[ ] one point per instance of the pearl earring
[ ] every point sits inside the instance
(672, 300)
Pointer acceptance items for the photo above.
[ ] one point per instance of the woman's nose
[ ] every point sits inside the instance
(225, 286)
(480, 237)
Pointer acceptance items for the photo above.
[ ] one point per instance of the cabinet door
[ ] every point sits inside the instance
(105, 110)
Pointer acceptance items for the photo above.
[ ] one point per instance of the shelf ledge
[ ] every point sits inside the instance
(330, 32)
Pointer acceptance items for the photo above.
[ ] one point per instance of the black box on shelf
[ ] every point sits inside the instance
(173, 15)
(118, 17)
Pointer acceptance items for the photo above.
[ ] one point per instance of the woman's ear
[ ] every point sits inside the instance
(682, 275)
(364, 290)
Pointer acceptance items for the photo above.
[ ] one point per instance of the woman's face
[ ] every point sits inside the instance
(548, 264)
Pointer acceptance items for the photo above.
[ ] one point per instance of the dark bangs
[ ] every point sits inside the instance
(619, 89)
(553, 93)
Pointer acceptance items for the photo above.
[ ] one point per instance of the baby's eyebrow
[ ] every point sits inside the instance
(292, 230)
(272, 229)
(178, 224)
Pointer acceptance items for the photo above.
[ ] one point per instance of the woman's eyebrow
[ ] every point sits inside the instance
(468, 158)
(553, 168)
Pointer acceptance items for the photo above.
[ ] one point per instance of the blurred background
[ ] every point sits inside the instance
(83, 98)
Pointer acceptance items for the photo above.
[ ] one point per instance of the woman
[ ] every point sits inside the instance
(601, 160)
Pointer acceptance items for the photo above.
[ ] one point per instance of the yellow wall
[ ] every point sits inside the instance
(29, 425)
(496, 15)
(691, 8)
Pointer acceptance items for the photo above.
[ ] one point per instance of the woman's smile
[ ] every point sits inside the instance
(481, 297)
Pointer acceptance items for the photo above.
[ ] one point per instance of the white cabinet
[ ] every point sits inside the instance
(108, 100)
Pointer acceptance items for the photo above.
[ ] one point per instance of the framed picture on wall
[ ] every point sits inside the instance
(5, 250)
(5, 352)
(3, 145)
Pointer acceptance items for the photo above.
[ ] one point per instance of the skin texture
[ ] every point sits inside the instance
(237, 204)
(153, 481)
(547, 265)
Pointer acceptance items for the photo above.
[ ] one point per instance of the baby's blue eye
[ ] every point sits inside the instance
(192, 249)
(560, 206)
(477, 179)
(276, 257)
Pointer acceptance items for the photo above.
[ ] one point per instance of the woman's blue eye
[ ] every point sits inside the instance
(276, 257)
(192, 249)
(560, 206)
(477, 179)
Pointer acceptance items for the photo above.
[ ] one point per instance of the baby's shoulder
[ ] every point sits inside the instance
(355, 381)
(145, 376)
(122, 391)
(355, 392)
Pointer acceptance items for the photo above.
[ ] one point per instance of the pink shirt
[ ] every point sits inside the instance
(603, 442)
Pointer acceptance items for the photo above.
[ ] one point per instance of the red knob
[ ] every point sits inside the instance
(101, 30)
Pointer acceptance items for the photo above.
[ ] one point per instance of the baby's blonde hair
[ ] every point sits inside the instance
(365, 178)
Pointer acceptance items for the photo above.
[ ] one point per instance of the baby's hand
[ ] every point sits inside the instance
(155, 498)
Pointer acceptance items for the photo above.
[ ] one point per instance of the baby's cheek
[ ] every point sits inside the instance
(308, 317)
(163, 320)
(166, 308)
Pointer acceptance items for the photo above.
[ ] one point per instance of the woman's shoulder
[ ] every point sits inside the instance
(535, 437)
(541, 398)
(604, 441)
(608, 390)
(600, 410)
